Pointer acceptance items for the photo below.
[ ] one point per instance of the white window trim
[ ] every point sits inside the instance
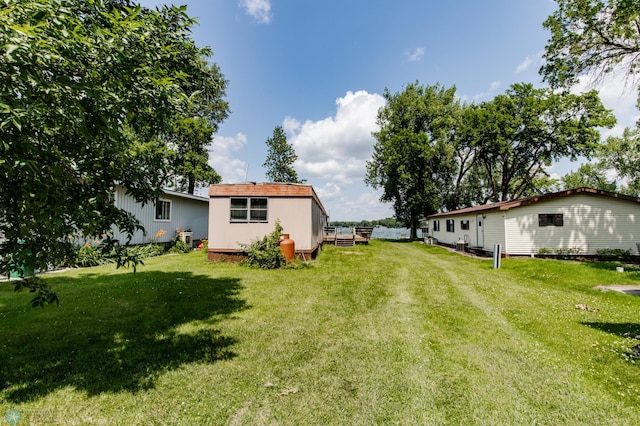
(155, 207)
(247, 218)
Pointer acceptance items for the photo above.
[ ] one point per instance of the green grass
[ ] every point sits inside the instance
(390, 333)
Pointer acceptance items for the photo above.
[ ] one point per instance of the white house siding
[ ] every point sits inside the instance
(590, 223)
(187, 212)
(295, 215)
(494, 230)
(458, 234)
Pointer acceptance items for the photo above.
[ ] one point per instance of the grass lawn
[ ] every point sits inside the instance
(390, 333)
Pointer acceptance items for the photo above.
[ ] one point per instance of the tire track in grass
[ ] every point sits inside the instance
(521, 374)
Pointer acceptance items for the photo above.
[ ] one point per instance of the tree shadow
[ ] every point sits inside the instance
(120, 334)
(625, 329)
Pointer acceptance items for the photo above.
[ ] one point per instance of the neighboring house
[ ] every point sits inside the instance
(244, 212)
(173, 211)
(584, 219)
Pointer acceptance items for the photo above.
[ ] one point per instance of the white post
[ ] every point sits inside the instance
(497, 255)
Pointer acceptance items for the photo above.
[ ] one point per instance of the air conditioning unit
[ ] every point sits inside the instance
(187, 238)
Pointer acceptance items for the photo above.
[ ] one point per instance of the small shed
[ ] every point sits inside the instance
(243, 212)
(583, 220)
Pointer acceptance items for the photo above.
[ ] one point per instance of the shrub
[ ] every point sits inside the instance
(179, 246)
(613, 254)
(87, 255)
(562, 253)
(265, 253)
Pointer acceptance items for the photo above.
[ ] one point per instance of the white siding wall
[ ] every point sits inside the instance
(297, 216)
(185, 214)
(470, 235)
(591, 222)
(494, 230)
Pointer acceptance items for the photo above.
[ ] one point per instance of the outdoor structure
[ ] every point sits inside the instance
(584, 220)
(244, 212)
(174, 212)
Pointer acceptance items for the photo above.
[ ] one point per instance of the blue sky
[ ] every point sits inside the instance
(318, 68)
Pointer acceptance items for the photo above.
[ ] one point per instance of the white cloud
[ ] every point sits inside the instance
(617, 94)
(416, 54)
(222, 157)
(336, 148)
(491, 91)
(260, 10)
(364, 205)
(528, 62)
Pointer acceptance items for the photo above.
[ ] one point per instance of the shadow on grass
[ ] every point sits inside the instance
(625, 329)
(116, 333)
(631, 270)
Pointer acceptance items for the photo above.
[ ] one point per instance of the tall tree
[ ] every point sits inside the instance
(519, 134)
(591, 37)
(86, 91)
(413, 155)
(189, 155)
(193, 126)
(590, 176)
(622, 154)
(280, 159)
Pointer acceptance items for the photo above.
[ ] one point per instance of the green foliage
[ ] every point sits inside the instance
(280, 159)
(623, 155)
(561, 253)
(44, 294)
(190, 138)
(413, 156)
(520, 133)
(387, 222)
(265, 253)
(591, 37)
(613, 254)
(179, 246)
(589, 176)
(87, 89)
(87, 256)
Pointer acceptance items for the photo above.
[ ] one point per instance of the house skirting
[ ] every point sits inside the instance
(231, 255)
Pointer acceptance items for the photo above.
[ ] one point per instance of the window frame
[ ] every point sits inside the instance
(550, 219)
(464, 225)
(451, 225)
(162, 202)
(250, 212)
(436, 225)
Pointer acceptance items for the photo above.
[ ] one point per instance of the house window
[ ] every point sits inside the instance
(545, 219)
(450, 226)
(464, 224)
(436, 226)
(248, 210)
(163, 210)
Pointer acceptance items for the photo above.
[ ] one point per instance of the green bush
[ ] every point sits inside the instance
(265, 253)
(88, 255)
(613, 254)
(179, 246)
(562, 253)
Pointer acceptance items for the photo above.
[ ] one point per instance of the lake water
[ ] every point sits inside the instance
(393, 233)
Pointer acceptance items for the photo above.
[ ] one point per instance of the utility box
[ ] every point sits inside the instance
(187, 238)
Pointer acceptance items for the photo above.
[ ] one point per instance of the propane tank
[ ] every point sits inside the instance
(288, 248)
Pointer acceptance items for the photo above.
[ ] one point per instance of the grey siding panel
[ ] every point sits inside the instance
(185, 214)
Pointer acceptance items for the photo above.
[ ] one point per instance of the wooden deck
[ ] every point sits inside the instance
(347, 237)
